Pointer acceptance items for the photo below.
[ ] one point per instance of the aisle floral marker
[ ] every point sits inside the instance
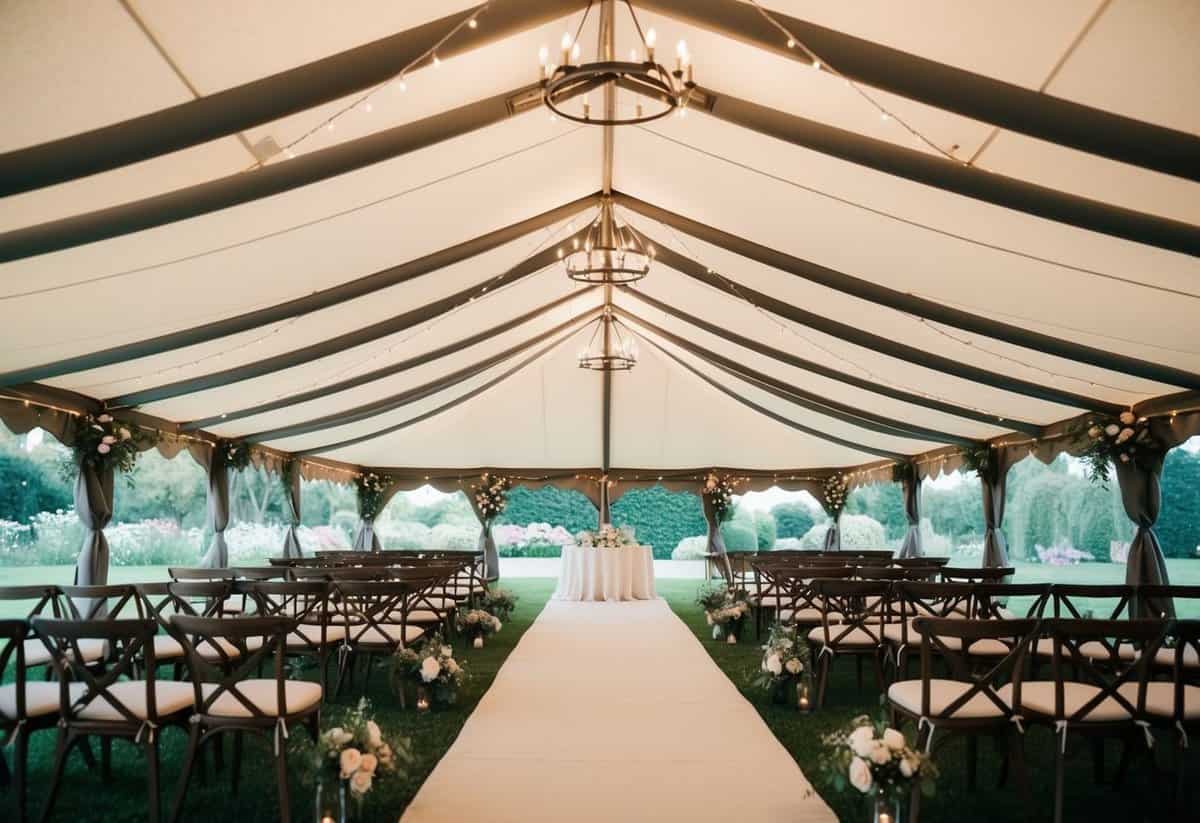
(725, 610)
(876, 760)
(477, 624)
(433, 669)
(353, 755)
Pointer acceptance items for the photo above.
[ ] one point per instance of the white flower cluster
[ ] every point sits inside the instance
(720, 489)
(876, 759)
(1121, 438)
(608, 537)
(372, 482)
(835, 492)
(359, 752)
(783, 656)
(477, 623)
(733, 611)
(490, 494)
(434, 664)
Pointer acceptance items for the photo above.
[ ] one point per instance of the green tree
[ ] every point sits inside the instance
(29, 488)
(792, 519)
(549, 504)
(882, 502)
(764, 530)
(738, 536)
(659, 517)
(172, 489)
(1179, 520)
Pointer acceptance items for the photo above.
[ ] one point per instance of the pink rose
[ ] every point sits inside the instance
(104, 448)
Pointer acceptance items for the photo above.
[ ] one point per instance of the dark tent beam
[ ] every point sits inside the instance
(833, 374)
(301, 305)
(385, 371)
(244, 187)
(342, 342)
(445, 407)
(263, 101)
(948, 175)
(876, 343)
(979, 97)
(396, 401)
(910, 304)
(797, 396)
(778, 418)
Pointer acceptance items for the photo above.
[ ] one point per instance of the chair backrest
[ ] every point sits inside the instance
(851, 610)
(919, 598)
(862, 554)
(305, 602)
(986, 574)
(992, 598)
(1160, 600)
(210, 594)
(194, 573)
(952, 641)
(133, 638)
(366, 605)
(12, 648)
(1075, 645)
(1185, 637)
(113, 602)
(359, 573)
(37, 599)
(909, 562)
(218, 676)
(1104, 602)
(895, 573)
(259, 572)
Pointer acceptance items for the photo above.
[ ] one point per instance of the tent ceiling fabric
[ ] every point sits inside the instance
(408, 309)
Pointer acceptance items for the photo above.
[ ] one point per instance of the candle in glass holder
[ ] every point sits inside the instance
(422, 700)
(802, 697)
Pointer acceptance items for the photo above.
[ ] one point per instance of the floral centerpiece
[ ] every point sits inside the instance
(725, 610)
(606, 537)
(500, 602)
(370, 488)
(1123, 439)
(477, 624)
(719, 490)
(352, 756)
(876, 760)
(433, 669)
(103, 442)
(834, 494)
(490, 494)
(784, 671)
(237, 454)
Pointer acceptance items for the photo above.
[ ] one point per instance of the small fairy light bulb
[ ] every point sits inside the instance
(651, 39)
(791, 44)
(473, 23)
(575, 52)
(330, 126)
(437, 62)
(883, 115)
(816, 64)
(367, 107)
(587, 107)
(402, 84)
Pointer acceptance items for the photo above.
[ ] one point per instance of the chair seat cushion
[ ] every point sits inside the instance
(36, 653)
(298, 696)
(387, 634)
(40, 699)
(1160, 699)
(423, 616)
(1037, 696)
(770, 601)
(906, 694)
(169, 697)
(308, 634)
(807, 615)
(168, 648)
(856, 637)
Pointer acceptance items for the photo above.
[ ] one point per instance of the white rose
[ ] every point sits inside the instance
(369, 764)
(108, 438)
(1094, 432)
(124, 432)
(708, 617)
(447, 651)
(909, 765)
(1127, 418)
(360, 783)
(452, 666)
(860, 775)
(794, 666)
(350, 760)
(881, 753)
(1124, 435)
(374, 735)
(774, 664)
(496, 624)
(430, 669)
(1112, 429)
(862, 741)
(893, 739)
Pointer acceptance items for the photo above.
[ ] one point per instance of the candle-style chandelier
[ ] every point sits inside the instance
(642, 76)
(612, 346)
(609, 252)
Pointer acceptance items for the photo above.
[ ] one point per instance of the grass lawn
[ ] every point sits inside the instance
(1142, 797)
(86, 797)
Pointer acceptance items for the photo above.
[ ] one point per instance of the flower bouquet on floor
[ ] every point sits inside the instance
(784, 672)
(725, 610)
(348, 758)
(876, 760)
(476, 625)
(433, 670)
(500, 602)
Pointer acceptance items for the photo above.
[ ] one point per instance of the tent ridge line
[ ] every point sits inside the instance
(385, 371)
(264, 100)
(342, 292)
(388, 404)
(801, 397)
(790, 359)
(1006, 105)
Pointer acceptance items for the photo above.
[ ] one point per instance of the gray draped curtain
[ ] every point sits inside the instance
(291, 506)
(94, 506)
(604, 509)
(217, 556)
(994, 484)
(487, 543)
(1142, 497)
(833, 535)
(911, 488)
(715, 543)
(365, 539)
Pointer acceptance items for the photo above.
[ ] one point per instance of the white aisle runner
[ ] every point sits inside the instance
(614, 712)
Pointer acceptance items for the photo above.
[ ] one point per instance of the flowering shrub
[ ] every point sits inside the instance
(404, 534)
(533, 540)
(153, 543)
(449, 536)
(690, 548)
(1061, 554)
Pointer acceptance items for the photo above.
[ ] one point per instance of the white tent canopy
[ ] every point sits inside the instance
(820, 370)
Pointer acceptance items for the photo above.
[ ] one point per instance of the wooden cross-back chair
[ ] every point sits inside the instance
(315, 633)
(853, 616)
(26, 707)
(919, 562)
(1173, 706)
(43, 601)
(1078, 601)
(799, 604)
(114, 703)
(375, 616)
(984, 574)
(912, 599)
(230, 699)
(1090, 694)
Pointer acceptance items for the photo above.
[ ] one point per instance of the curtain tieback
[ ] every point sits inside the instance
(147, 728)
(1183, 737)
(281, 733)
(1060, 727)
(922, 722)
(17, 729)
(1020, 721)
(1145, 724)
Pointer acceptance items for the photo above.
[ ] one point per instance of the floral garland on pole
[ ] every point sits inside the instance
(982, 460)
(237, 454)
(104, 442)
(370, 487)
(491, 494)
(834, 494)
(720, 491)
(1125, 439)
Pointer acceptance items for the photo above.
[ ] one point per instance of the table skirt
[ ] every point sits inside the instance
(626, 573)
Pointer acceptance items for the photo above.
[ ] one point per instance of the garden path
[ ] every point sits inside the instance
(613, 711)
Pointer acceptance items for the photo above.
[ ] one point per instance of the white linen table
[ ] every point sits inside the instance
(588, 573)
